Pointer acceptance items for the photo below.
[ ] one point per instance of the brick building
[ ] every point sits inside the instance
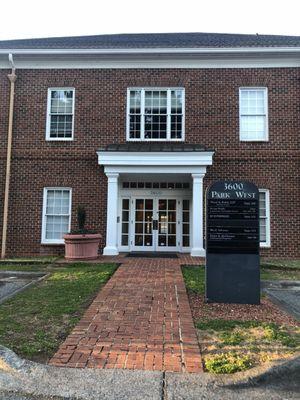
(135, 127)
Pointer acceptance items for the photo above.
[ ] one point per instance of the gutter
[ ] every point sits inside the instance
(141, 51)
(12, 78)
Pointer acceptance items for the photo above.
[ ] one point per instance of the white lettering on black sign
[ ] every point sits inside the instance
(232, 218)
(232, 243)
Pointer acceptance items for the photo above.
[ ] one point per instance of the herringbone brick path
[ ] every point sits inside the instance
(141, 319)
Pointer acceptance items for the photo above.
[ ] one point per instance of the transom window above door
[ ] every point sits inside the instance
(155, 114)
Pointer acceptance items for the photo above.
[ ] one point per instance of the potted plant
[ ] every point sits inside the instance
(81, 244)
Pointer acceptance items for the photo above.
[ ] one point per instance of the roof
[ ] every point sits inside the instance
(154, 147)
(155, 40)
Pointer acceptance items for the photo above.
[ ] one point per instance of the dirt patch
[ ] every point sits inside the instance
(235, 337)
(265, 312)
(228, 349)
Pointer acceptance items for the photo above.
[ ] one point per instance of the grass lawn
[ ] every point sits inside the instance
(28, 260)
(291, 264)
(195, 277)
(36, 321)
(270, 274)
(27, 267)
(229, 345)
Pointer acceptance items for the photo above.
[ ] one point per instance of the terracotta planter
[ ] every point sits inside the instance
(81, 247)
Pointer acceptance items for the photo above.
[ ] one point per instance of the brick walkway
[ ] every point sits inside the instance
(141, 319)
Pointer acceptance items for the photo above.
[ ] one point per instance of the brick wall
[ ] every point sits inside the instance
(211, 119)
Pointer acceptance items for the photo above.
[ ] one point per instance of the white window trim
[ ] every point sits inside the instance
(48, 119)
(266, 136)
(142, 138)
(267, 243)
(53, 241)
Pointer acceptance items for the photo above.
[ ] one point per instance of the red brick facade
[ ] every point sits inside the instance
(211, 119)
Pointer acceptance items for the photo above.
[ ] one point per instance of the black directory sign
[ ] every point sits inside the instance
(232, 243)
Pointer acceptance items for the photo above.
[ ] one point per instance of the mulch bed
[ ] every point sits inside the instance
(265, 312)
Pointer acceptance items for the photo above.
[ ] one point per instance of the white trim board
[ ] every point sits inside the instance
(159, 50)
(160, 159)
(90, 62)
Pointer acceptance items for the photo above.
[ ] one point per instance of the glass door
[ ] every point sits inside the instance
(155, 224)
(167, 224)
(143, 239)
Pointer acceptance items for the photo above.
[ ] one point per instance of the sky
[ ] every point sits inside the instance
(39, 18)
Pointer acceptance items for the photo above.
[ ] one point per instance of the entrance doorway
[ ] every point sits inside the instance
(155, 224)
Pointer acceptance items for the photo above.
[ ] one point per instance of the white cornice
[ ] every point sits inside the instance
(279, 57)
(155, 63)
(161, 159)
(193, 50)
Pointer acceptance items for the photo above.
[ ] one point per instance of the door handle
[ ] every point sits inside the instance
(155, 224)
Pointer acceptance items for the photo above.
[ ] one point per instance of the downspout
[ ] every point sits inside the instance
(12, 78)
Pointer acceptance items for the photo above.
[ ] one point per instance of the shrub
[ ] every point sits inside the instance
(273, 332)
(81, 217)
(227, 363)
(232, 338)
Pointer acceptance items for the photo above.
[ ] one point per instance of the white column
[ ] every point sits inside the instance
(111, 248)
(197, 237)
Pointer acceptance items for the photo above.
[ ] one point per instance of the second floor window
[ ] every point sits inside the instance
(155, 114)
(60, 118)
(253, 114)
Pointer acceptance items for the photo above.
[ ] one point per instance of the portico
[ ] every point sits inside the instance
(154, 197)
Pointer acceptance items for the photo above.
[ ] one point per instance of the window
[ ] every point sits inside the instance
(60, 114)
(56, 214)
(185, 223)
(125, 222)
(155, 185)
(253, 114)
(264, 217)
(155, 114)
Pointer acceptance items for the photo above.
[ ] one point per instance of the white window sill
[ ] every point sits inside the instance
(59, 139)
(254, 140)
(155, 140)
(54, 242)
(265, 245)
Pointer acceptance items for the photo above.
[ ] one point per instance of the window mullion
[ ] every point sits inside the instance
(169, 114)
(143, 114)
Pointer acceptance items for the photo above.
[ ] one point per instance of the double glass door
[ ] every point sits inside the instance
(155, 224)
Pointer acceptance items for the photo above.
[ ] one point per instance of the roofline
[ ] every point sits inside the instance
(168, 50)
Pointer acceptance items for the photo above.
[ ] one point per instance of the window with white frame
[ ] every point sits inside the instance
(253, 114)
(60, 114)
(264, 217)
(155, 114)
(56, 214)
